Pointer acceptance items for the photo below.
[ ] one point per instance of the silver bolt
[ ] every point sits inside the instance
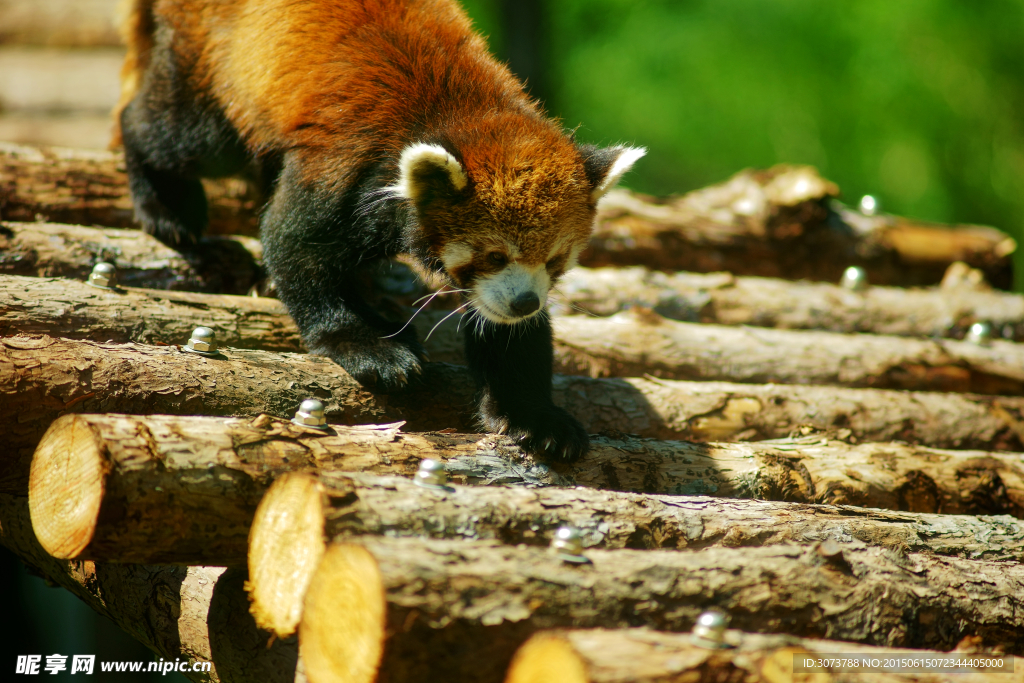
(709, 631)
(568, 543)
(103, 276)
(202, 342)
(432, 475)
(868, 205)
(979, 333)
(855, 279)
(311, 414)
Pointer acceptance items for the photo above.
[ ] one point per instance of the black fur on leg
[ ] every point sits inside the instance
(512, 368)
(318, 249)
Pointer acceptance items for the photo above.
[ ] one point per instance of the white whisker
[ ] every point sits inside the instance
(443, 319)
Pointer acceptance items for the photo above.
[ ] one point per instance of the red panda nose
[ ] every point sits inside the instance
(525, 304)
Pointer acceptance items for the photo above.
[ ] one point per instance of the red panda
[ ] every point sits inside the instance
(379, 127)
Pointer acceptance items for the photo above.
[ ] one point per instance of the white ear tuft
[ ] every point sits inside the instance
(419, 157)
(623, 162)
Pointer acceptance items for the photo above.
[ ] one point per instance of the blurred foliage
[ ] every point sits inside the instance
(919, 102)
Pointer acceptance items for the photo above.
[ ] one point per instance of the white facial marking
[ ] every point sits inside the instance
(495, 293)
(418, 154)
(456, 254)
(623, 163)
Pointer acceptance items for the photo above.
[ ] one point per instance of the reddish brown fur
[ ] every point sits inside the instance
(345, 82)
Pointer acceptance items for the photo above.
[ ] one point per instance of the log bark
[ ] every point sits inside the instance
(191, 613)
(774, 223)
(642, 342)
(405, 609)
(646, 656)
(301, 514)
(782, 223)
(42, 378)
(63, 23)
(218, 264)
(85, 187)
(130, 488)
(74, 310)
(725, 299)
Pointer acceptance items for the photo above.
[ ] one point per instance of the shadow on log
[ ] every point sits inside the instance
(226, 265)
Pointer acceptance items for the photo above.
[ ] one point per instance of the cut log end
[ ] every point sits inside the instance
(547, 658)
(285, 544)
(341, 637)
(66, 487)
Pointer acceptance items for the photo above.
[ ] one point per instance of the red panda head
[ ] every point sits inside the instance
(504, 221)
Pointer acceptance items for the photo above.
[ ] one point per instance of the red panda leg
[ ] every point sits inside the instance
(317, 251)
(171, 139)
(512, 368)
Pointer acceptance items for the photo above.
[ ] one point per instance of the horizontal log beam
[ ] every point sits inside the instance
(641, 342)
(404, 609)
(774, 223)
(228, 265)
(725, 299)
(85, 187)
(71, 309)
(612, 656)
(188, 613)
(100, 483)
(782, 223)
(64, 23)
(43, 377)
(301, 514)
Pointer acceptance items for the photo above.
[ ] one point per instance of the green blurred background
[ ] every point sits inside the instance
(917, 102)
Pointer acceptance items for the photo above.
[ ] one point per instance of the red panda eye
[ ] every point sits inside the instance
(497, 258)
(556, 262)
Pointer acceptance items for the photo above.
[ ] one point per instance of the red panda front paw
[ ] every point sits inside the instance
(550, 433)
(384, 367)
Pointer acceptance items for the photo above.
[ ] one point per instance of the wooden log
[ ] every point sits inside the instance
(91, 188)
(101, 483)
(774, 223)
(74, 310)
(646, 656)
(301, 514)
(63, 23)
(217, 264)
(42, 378)
(642, 342)
(404, 609)
(782, 223)
(188, 613)
(725, 299)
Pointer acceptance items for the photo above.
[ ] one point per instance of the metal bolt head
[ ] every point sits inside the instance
(709, 631)
(202, 342)
(868, 205)
(103, 275)
(979, 333)
(431, 473)
(311, 414)
(855, 279)
(568, 543)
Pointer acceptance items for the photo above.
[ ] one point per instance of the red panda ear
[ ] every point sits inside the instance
(427, 171)
(605, 167)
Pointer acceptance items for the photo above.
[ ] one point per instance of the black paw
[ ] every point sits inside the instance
(550, 433)
(173, 210)
(385, 366)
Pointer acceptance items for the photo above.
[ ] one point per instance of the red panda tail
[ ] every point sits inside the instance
(136, 24)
